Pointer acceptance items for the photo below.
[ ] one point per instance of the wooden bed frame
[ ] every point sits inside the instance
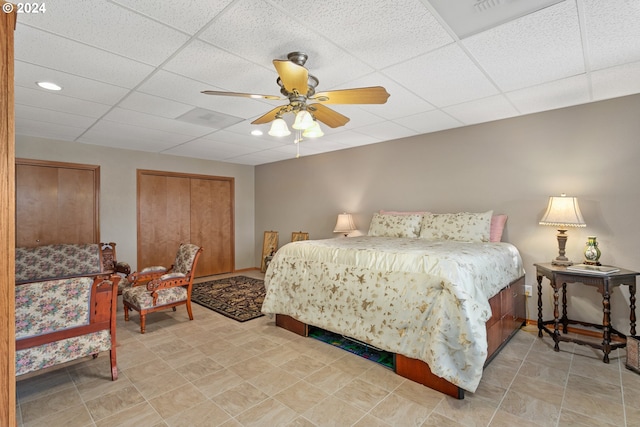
(508, 315)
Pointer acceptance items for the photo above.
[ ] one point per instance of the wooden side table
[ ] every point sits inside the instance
(559, 275)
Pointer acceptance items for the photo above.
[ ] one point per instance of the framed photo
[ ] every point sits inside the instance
(269, 247)
(299, 235)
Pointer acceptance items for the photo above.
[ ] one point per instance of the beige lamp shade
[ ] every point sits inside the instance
(563, 212)
(344, 224)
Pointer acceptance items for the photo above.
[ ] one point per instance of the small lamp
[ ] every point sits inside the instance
(562, 212)
(344, 224)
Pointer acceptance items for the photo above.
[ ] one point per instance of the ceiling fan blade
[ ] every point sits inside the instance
(266, 118)
(362, 95)
(328, 116)
(294, 77)
(243, 95)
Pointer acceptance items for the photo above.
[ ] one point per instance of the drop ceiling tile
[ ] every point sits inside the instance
(613, 32)
(616, 81)
(467, 17)
(215, 67)
(261, 157)
(185, 17)
(110, 27)
(208, 149)
(155, 105)
(387, 130)
(531, 50)
(73, 86)
(41, 129)
(135, 118)
(549, 96)
(241, 134)
(482, 110)
(118, 135)
(178, 88)
(44, 115)
(444, 77)
(353, 138)
(387, 32)
(322, 145)
(267, 34)
(58, 53)
(430, 121)
(42, 98)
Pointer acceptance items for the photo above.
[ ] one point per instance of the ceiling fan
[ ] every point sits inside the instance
(299, 88)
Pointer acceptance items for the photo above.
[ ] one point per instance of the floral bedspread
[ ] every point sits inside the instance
(424, 299)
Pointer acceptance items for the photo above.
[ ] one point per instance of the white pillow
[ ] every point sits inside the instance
(462, 226)
(395, 225)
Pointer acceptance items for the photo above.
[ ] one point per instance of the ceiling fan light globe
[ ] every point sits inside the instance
(303, 121)
(314, 131)
(279, 128)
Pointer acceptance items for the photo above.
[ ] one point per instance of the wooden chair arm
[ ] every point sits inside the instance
(139, 278)
(157, 284)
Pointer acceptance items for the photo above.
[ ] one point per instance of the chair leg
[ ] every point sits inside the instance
(126, 312)
(189, 310)
(114, 366)
(143, 318)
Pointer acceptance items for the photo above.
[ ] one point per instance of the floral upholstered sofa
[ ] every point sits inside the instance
(65, 302)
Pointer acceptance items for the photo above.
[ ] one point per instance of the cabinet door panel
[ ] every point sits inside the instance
(56, 203)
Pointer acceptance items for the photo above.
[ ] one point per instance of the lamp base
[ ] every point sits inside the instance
(561, 262)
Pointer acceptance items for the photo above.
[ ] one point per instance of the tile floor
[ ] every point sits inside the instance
(214, 371)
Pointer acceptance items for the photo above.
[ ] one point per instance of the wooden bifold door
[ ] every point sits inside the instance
(176, 208)
(56, 202)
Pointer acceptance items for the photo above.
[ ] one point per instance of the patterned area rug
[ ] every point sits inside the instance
(239, 297)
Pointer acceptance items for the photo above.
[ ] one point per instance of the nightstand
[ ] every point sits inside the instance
(560, 276)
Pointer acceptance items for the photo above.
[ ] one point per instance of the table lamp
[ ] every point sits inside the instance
(344, 224)
(562, 212)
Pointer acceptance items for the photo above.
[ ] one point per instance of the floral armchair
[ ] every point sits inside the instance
(158, 288)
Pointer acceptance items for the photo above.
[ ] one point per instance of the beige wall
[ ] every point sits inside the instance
(511, 166)
(118, 188)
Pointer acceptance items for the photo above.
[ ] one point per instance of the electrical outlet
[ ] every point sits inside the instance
(528, 290)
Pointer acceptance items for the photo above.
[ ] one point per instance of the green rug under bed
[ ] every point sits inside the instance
(381, 357)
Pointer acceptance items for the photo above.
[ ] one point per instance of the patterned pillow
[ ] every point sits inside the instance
(462, 226)
(395, 225)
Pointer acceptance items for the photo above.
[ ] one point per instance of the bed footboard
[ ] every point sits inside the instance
(508, 315)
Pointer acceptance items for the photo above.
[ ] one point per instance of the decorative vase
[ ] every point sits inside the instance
(592, 252)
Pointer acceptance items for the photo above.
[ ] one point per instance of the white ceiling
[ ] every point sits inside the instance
(130, 68)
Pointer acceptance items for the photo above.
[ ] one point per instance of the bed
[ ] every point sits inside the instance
(431, 288)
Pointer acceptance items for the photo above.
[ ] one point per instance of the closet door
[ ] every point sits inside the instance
(56, 203)
(163, 218)
(184, 208)
(212, 224)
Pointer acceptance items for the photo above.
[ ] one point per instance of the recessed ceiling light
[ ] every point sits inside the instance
(256, 132)
(49, 86)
